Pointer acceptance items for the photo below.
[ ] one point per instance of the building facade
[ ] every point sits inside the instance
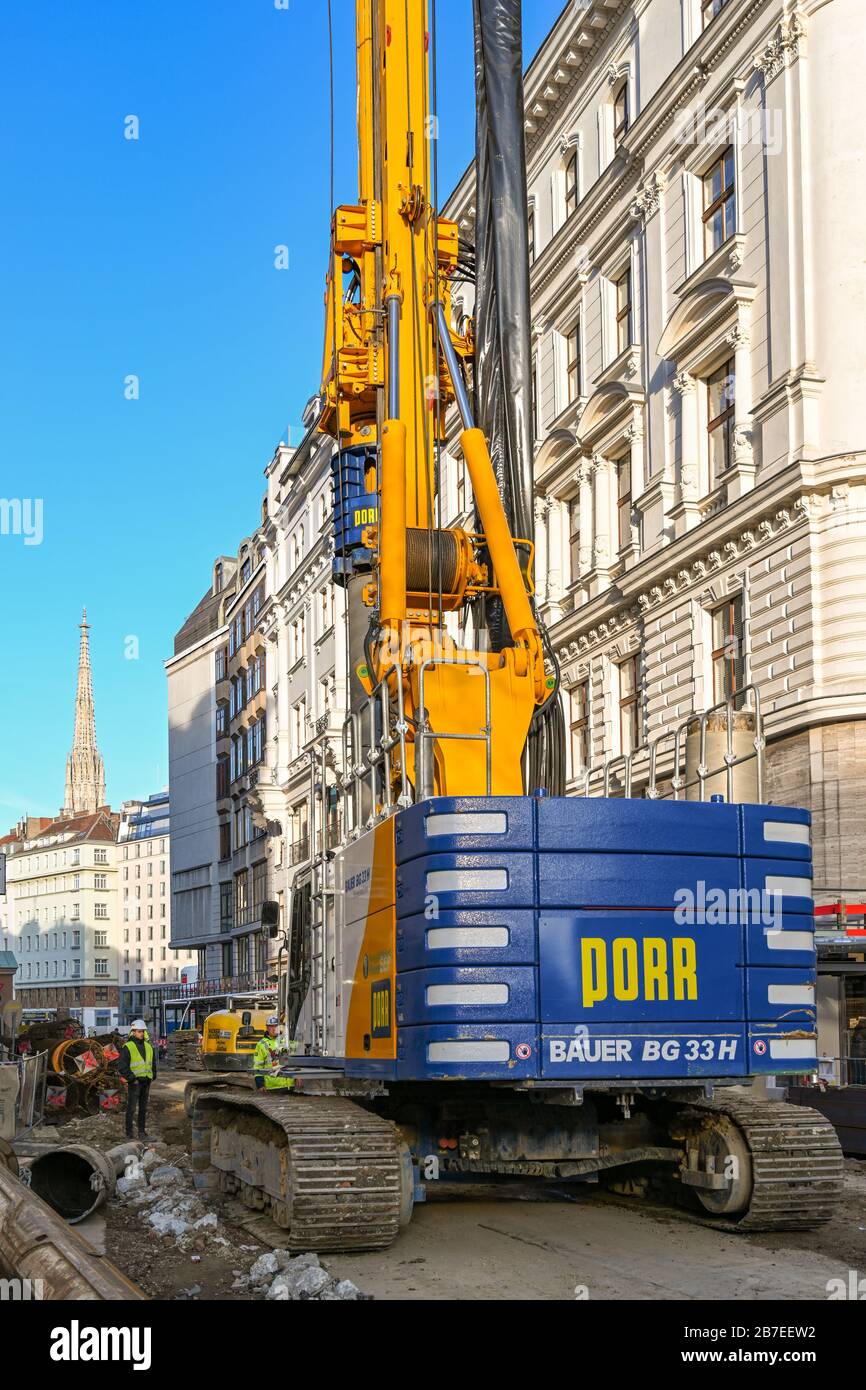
(305, 630)
(697, 288)
(256, 699)
(218, 736)
(150, 967)
(60, 915)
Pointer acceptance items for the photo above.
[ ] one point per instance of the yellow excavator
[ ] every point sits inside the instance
(230, 1035)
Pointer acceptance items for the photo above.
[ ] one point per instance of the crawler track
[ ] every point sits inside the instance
(334, 1176)
(796, 1164)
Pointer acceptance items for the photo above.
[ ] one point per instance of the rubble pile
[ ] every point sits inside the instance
(283, 1277)
(184, 1050)
(158, 1188)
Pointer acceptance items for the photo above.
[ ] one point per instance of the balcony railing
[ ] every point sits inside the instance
(299, 851)
(224, 984)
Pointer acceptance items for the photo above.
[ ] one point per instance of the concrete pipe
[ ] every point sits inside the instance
(75, 1180)
(37, 1245)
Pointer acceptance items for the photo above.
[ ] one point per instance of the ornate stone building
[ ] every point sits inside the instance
(255, 701)
(698, 298)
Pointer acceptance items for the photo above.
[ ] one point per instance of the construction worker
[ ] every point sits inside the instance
(266, 1059)
(137, 1065)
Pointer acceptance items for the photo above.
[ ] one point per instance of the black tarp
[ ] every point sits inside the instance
(503, 333)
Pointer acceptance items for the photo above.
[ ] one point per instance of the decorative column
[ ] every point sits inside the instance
(553, 531)
(601, 552)
(635, 436)
(743, 471)
(686, 513)
(542, 510)
(584, 478)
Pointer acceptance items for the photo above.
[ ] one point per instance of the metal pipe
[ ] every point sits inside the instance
(392, 304)
(452, 361)
(392, 532)
(37, 1245)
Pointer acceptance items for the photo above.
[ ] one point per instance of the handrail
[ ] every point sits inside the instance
(653, 763)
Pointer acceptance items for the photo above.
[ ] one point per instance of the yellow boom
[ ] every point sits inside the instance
(392, 366)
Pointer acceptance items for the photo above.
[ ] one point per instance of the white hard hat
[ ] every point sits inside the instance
(138, 1023)
(273, 1021)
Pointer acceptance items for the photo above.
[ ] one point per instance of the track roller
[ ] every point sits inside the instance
(761, 1165)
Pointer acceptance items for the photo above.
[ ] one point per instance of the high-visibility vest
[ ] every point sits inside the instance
(140, 1059)
(263, 1060)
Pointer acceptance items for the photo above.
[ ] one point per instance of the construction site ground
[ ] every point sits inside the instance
(511, 1242)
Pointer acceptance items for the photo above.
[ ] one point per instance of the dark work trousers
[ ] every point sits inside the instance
(138, 1093)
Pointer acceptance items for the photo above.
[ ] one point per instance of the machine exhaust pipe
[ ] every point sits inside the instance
(37, 1245)
(76, 1180)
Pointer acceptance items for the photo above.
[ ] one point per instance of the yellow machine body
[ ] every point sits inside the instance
(229, 1037)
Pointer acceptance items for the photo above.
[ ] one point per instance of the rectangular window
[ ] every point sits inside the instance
(530, 236)
(226, 914)
(534, 398)
(623, 500)
(100, 881)
(461, 486)
(260, 879)
(571, 185)
(227, 960)
(579, 727)
(225, 839)
(629, 705)
(728, 654)
(720, 205)
(623, 312)
(222, 776)
(573, 372)
(100, 938)
(720, 420)
(241, 897)
(574, 537)
(300, 725)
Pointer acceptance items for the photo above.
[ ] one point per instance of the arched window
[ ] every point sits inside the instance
(620, 111)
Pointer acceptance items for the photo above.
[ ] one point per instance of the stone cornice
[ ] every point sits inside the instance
(797, 496)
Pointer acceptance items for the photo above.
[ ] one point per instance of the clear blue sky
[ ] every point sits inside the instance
(155, 257)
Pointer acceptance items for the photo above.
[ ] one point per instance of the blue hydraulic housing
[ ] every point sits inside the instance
(354, 509)
(616, 940)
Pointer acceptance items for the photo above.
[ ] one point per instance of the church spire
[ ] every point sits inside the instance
(85, 774)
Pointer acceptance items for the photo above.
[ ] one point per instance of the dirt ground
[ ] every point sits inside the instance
(520, 1244)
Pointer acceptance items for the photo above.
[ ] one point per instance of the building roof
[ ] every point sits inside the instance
(100, 825)
(8, 961)
(202, 621)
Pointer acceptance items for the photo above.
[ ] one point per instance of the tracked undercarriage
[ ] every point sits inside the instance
(336, 1175)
